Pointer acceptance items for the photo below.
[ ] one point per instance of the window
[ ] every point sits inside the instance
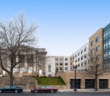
(66, 68)
(92, 50)
(78, 65)
(56, 59)
(85, 56)
(7, 87)
(29, 69)
(97, 38)
(21, 69)
(85, 49)
(61, 63)
(48, 87)
(14, 69)
(66, 59)
(43, 87)
(78, 59)
(49, 68)
(109, 65)
(81, 63)
(56, 69)
(71, 63)
(98, 67)
(71, 58)
(81, 51)
(78, 53)
(66, 64)
(97, 57)
(61, 68)
(40, 62)
(92, 59)
(3, 62)
(97, 48)
(75, 61)
(56, 63)
(92, 67)
(81, 57)
(85, 62)
(92, 42)
(61, 59)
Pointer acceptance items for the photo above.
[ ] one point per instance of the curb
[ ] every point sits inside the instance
(73, 91)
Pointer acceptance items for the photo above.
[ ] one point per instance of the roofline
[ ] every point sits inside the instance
(79, 49)
(96, 32)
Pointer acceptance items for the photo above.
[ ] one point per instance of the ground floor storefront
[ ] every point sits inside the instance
(89, 83)
(85, 80)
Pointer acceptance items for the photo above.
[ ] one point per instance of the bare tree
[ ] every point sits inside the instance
(15, 38)
(95, 65)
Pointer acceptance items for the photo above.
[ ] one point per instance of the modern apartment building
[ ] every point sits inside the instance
(106, 47)
(80, 57)
(57, 64)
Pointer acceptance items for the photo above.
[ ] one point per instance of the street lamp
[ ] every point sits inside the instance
(75, 75)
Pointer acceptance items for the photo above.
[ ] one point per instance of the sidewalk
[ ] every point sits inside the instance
(78, 90)
(85, 90)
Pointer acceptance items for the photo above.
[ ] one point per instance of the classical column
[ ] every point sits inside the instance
(25, 68)
(37, 64)
(8, 64)
(17, 66)
(34, 65)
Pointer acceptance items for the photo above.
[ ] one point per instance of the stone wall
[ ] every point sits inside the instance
(59, 87)
(25, 82)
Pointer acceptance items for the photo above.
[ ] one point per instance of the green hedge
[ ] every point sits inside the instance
(50, 81)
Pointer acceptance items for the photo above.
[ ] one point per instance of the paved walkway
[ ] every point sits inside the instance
(78, 90)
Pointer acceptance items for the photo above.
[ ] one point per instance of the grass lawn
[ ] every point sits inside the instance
(50, 81)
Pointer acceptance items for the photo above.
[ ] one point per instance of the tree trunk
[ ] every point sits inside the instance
(96, 82)
(11, 78)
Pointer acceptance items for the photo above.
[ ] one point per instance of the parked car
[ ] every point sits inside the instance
(44, 89)
(11, 89)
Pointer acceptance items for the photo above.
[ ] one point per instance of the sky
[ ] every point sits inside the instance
(64, 25)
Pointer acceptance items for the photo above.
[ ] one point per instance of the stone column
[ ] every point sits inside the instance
(17, 69)
(82, 83)
(8, 64)
(34, 65)
(37, 64)
(25, 68)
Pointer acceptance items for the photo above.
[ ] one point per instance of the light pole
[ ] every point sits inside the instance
(75, 75)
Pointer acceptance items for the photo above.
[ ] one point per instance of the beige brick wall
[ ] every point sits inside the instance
(100, 43)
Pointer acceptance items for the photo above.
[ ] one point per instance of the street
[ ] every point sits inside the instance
(58, 94)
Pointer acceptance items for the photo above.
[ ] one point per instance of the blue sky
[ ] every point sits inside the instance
(64, 25)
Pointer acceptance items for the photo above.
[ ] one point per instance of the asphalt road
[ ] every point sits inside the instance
(58, 94)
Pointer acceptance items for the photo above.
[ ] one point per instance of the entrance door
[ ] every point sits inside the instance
(72, 83)
(103, 83)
